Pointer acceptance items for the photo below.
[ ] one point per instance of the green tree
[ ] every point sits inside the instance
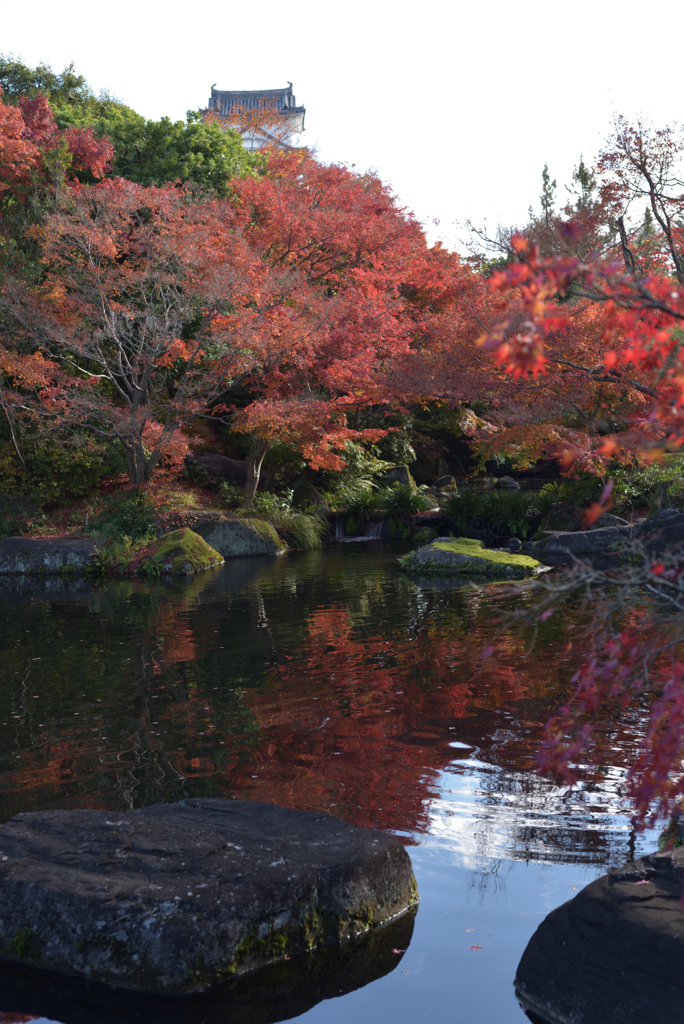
(148, 152)
(547, 198)
(156, 152)
(65, 87)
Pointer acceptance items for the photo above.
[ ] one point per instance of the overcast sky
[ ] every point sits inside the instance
(456, 105)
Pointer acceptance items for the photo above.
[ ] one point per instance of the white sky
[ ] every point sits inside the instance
(456, 105)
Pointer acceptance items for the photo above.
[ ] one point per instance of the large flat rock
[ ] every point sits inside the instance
(600, 546)
(238, 536)
(175, 897)
(281, 991)
(46, 554)
(614, 953)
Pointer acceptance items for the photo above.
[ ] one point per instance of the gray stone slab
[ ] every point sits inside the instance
(175, 897)
(33, 555)
(238, 537)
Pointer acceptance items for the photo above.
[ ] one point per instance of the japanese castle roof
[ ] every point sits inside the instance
(224, 101)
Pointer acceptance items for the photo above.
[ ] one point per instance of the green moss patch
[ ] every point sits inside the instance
(466, 546)
(463, 556)
(179, 553)
(266, 531)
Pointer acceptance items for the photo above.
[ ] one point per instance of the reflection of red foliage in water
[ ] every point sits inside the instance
(359, 726)
(179, 646)
(15, 1018)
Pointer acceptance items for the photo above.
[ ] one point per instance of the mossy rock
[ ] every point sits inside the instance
(179, 553)
(465, 557)
(239, 536)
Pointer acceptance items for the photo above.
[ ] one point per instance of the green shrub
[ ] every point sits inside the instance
(404, 500)
(658, 486)
(505, 512)
(198, 476)
(57, 470)
(303, 530)
(361, 465)
(232, 495)
(300, 529)
(18, 515)
(128, 514)
(361, 500)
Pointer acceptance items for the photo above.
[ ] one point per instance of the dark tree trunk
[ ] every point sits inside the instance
(253, 472)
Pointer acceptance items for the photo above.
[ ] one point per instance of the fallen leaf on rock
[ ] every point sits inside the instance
(398, 951)
(475, 947)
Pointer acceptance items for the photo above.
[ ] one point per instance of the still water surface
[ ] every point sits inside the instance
(326, 681)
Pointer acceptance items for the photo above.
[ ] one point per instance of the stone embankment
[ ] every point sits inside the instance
(176, 897)
(34, 555)
(205, 539)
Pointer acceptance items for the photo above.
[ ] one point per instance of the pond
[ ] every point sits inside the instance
(326, 681)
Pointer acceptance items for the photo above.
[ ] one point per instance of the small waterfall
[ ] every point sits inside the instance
(373, 531)
(339, 528)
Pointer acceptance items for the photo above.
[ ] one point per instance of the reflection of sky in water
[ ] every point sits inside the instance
(328, 682)
(482, 885)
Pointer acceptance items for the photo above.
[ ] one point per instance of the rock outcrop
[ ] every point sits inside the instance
(601, 546)
(39, 555)
(176, 897)
(614, 953)
(180, 553)
(281, 991)
(464, 557)
(398, 475)
(238, 536)
(661, 532)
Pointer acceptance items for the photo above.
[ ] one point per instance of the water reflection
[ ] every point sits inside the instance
(323, 681)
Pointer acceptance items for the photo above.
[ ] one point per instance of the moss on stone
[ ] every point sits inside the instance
(180, 553)
(470, 558)
(475, 548)
(266, 531)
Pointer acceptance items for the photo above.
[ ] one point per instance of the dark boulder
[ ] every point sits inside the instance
(661, 532)
(305, 495)
(175, 897)
(447, 482)
(507, 483)
(602, 546)
(614, 953)
(281, 991)
(607, 519)
(221, 467)
(398, 475)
